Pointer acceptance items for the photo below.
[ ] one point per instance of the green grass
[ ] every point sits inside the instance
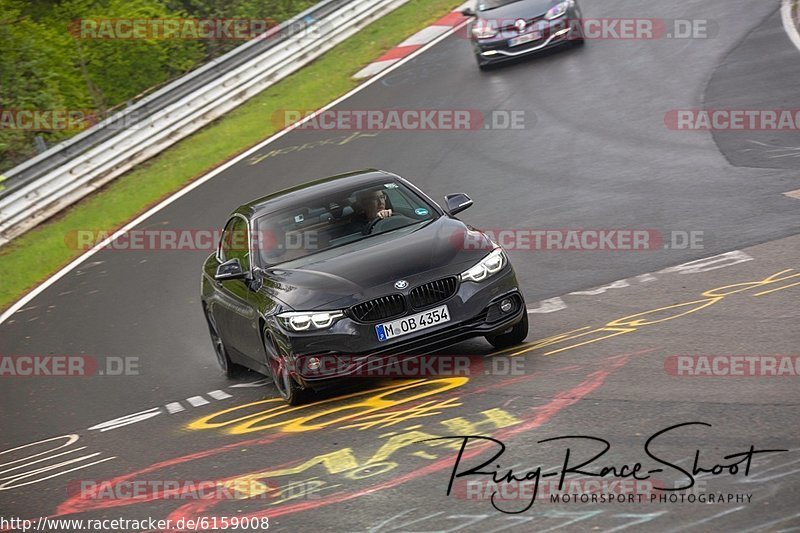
(32, 257)
(796, 9)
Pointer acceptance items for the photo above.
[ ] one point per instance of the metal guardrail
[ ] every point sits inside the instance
(49, 182)
(133, 114)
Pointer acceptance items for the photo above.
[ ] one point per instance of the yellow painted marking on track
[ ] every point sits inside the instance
(335, 411)
(333, 141)
(541, 343)
(345, 461)
(333, 462)
(383, 420)
(724, 291)
(632, 323)
(206, 421)
(619, 332)
(424, 455)
(492, 419)
(371, 404)
(639, 319)
(778, 289)
(247, 489)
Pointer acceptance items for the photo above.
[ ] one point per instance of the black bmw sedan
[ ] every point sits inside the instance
(355, 268)
(506, 29)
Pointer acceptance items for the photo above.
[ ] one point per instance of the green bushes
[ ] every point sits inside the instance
(45, 67)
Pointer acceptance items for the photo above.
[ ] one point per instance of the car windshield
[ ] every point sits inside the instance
(486, 5)
(317, 224)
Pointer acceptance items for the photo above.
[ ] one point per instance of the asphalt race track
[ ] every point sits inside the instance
(595, 153)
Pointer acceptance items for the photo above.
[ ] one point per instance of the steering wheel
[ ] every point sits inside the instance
(395, 221)
(371, 225)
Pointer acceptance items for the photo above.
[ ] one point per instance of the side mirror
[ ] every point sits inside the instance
(468, 12)
(457, 202)
(230, 269)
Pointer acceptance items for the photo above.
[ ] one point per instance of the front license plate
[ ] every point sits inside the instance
(420, 321)
(522, 39)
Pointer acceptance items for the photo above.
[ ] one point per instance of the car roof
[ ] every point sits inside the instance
(324, 186)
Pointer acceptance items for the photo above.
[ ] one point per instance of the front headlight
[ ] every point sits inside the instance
(309, 320)
(558, 10)
(484, 29)
(488, 266)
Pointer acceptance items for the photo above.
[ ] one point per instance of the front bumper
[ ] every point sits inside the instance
(474, 311)
(553, 34)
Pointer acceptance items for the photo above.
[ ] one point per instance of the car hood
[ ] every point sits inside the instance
(522, 9)
(365, 270)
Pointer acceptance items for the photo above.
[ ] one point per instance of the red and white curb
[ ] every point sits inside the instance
(416, 41)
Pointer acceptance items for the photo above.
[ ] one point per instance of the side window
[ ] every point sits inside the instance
(236, 242)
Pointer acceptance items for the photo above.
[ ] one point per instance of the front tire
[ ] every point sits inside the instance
(580, 40)
(279, 368)
(516, 336)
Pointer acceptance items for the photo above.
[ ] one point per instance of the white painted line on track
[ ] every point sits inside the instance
(696, 266)
(619, 284)
(219, 395)
(793, 194)
(374, 68)
(174, 407)
(789, 24)
(197, 401)
(200, 181)
(548, 306)
(260, 383)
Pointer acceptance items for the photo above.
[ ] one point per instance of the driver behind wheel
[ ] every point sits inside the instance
(374, 204)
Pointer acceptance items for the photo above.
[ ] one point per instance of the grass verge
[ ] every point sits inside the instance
(796, 8)
(39, 253)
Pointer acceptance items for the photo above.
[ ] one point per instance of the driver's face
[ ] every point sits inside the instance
(374, 202)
